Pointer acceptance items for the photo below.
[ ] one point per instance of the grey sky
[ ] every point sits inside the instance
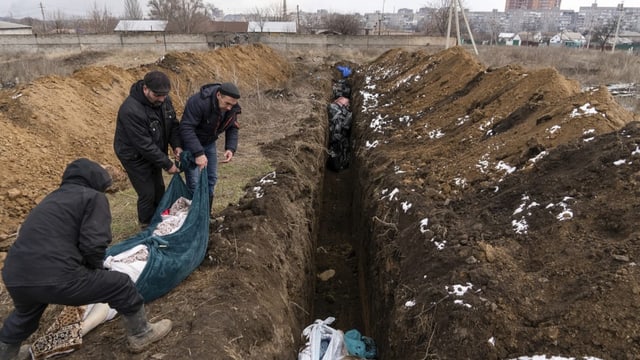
(25, 8)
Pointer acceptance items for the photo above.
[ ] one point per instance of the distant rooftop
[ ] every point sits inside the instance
(141, 25)
(227, 26)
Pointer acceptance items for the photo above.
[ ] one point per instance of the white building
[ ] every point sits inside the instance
(273, 26)
(7, 28)
(141, 25)
(568, 39)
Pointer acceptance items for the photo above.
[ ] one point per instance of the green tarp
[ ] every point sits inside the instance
(172, 257)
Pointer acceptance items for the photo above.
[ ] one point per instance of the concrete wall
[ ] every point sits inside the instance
(356, 42)
(65, 42)
(193, 42)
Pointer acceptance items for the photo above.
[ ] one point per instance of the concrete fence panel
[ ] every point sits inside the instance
(161, 42)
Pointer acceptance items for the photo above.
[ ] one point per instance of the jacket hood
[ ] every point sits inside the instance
(85, 172)
(137, 92)
(209, 90)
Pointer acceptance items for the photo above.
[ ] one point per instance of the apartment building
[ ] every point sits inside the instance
(532, 5)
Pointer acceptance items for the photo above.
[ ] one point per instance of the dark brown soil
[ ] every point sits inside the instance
(503, 181)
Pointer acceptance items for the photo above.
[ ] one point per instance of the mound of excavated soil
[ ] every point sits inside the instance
(499, 211)
(492, 211)
(52, 120)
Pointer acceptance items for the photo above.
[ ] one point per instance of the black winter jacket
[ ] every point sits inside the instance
(66, 234)
(202, 122)
(145, 131)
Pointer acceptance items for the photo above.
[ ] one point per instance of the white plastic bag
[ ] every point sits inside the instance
(315, 334)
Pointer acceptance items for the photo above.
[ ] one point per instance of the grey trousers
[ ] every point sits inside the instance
(95, 286)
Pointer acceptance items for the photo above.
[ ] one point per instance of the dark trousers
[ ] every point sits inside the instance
(96, 286)
(149, 185)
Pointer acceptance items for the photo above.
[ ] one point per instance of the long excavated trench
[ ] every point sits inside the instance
(337, 292)
(340, 290)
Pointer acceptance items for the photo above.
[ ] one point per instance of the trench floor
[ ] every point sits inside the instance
(337, 294)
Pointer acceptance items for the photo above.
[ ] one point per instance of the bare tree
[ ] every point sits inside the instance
(100, 21)
(260, 16)
(602, 33)
(58, 21)
(191, 15)
(162, 9)
(437, 19)
(344, 24)
(308, 24)
(278, 12)
(495, 28)
(132, 10)
(185, 16)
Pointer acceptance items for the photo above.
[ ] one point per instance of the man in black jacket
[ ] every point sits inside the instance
(147, 124)
(209, 113)
(57, 259)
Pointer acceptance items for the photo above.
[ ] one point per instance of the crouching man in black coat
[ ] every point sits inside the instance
(57, 259)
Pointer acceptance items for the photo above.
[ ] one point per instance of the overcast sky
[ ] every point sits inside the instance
(25, 8)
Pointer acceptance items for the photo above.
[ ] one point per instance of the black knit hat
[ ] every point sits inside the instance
(158, 82)
(230, 89)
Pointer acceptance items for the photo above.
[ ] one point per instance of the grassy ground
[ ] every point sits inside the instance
(232, 180)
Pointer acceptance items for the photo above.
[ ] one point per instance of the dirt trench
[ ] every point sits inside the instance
(487, 213)
(337, 253)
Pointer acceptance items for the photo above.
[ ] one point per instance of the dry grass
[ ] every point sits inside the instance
(232, 181)
(19, 68)
(589, 67)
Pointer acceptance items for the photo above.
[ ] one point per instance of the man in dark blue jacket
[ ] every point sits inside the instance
(57, 259)
(209, 113)
(147, 124)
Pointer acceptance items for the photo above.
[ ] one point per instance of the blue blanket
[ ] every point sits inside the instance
(172, 257)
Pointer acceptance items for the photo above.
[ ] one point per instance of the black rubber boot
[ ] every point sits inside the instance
(210, 204)
(9, 351)
(141, 333)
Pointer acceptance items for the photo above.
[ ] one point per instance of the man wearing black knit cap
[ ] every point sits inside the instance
(147, 125)
(209, 113)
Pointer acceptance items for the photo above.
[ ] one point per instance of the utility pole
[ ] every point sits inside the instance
(380, 19)
(454, 5)
(615, 40)
(284, 11)
(44, 21)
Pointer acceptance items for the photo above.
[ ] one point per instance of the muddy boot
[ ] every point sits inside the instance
(141, 333)
(9, 351)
